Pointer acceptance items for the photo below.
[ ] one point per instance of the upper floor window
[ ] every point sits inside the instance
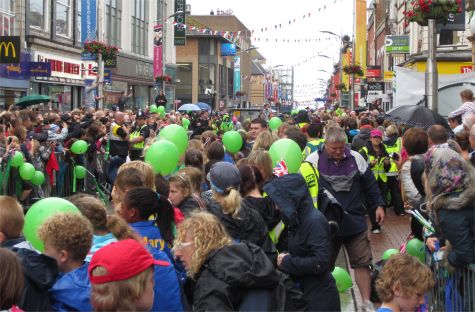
(7, 17)
(140, 27)
(63, 13)
(37, 17)
(113, 21)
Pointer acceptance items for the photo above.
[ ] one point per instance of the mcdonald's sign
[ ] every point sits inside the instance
(10, 49)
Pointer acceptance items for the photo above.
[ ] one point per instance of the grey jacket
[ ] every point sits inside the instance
(411, 194)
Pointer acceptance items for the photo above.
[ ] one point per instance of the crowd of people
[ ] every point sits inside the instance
(234, 231)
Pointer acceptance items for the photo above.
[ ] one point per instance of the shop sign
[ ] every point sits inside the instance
(86, 56)
(60, 66)
(466, 69)
(373, 72)
(110, 62)
(397, 44)
(375, 91)
(388, 76)
(25, 70)
(107, 76)
(180, 20)
(10, 49)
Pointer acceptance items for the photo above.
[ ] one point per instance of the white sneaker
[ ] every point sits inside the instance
(376, 231)
(367, 306)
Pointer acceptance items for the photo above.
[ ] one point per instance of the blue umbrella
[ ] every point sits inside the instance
(204, 106)
(189, 107)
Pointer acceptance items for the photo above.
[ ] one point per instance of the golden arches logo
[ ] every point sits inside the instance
(6, 47)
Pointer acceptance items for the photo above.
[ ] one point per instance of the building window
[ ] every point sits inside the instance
(63, 11)
(184, 72)
(161, 5)
(450, 37)
(113, 21)
(78, 21)
(7, 17)
(37, 14)
(139, 27)
(206, 78)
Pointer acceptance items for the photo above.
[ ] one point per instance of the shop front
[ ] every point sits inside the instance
(13, 82)
(134, 75)
(66, 83)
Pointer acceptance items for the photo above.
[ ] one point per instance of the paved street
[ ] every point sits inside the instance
(395, 231)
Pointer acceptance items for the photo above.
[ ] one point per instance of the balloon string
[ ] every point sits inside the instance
(74, 179)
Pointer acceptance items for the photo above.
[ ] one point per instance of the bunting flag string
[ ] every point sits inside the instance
(303, 40)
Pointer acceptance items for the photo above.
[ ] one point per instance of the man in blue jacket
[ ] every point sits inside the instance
(346, 175)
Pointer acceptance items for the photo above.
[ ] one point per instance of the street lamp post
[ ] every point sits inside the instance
(431, 74)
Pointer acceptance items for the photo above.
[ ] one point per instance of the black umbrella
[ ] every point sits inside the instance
(416, 116)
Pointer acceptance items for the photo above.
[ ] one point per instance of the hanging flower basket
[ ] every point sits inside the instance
(420, 11)
(164, 78)
(341, 87)
(96, 47)
(353, 69)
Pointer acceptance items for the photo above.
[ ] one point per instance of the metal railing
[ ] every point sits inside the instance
(452, 292)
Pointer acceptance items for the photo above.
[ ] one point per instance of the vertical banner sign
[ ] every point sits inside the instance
(360, 35)
(237, 74)
(88, 20)
(180, 19)
(10, 49)
(157, 51)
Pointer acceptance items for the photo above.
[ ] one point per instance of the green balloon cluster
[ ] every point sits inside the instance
(274, 123)
(153, 108)
(388, 253)
(27, 171)
(186, 123)
(416, 248)
(163, 156)
(39, 213)
(160, 109)
(293, 112)
(342, 279)
(287, 150)
(80, 172)
(177, 135)
(232, 141)
(79, 147)
(38, 178)
(17, 159)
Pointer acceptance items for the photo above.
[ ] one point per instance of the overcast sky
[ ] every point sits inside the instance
(257, 14)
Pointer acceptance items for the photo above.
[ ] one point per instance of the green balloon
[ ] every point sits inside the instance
(232, 141)
(161, 109)
(163, 156)
(293, 112)
(38, 178)
(342, 279)
(388, 253)
(80, 172)
(37, 215)
(416, 248)
(27, 171)
(186, 123)
(287, 150)
(153, 108)
(177, 135)
(79, 147)
(17, 159)
(162, 114)
(274, 123)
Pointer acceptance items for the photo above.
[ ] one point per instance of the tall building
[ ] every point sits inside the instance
(50, 31)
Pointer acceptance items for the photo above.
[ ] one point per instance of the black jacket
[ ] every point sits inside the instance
(188, 205)
(309, 243)
(361, 139)
(40, 271)
(266, 209)
(248, 226)
(228, 273)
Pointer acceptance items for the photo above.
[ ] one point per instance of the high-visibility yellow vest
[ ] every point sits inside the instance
(394, 149)
(310, 174)
(378, 169)
(136, 134)
(311, 147)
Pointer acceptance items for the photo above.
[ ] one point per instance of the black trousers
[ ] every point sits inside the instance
(396, 199)
(136, 154)
(383, 189)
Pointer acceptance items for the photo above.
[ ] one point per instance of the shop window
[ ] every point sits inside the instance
(206, 79)
(113, 21)
(63, 11)
(449, 37)
(184, 72)
(37, 16)
(140, 27)
(7, 17)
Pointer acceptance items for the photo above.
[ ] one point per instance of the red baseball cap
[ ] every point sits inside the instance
(122, 260)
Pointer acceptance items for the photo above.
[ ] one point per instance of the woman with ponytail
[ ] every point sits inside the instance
(241, 222)
(107, 229)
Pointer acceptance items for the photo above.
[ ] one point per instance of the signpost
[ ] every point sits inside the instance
(397, 44)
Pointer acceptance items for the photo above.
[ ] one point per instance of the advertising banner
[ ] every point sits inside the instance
(228, 49)
(88, 20)
(360, 34)
(39, 69)
(237, 74)
(397, 44)
(157, 51)
(180, 20)
(25, 70)
(373, 72)
(10, 49)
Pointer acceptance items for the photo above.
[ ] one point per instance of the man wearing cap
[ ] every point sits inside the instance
(139, 134)
(347, 176)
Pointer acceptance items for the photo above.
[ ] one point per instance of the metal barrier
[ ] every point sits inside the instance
(452, 292)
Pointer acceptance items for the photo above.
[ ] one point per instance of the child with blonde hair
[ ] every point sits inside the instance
(67, 237)
(402, 284)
